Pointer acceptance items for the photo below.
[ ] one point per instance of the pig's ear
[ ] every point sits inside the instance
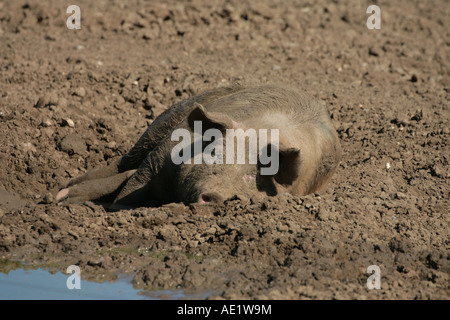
(289, 166)
(210, 119)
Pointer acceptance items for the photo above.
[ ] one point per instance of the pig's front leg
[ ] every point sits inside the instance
(93, 189)
(98, 173)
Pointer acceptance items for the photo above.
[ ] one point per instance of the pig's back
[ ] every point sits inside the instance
(267, 100)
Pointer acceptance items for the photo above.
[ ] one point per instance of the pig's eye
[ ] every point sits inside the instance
(250, 177)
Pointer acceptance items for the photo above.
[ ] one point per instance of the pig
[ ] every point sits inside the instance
(308, 152)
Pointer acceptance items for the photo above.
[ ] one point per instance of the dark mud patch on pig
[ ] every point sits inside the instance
(387, 92)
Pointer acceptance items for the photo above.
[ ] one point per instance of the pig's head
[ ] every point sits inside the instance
(205, 172)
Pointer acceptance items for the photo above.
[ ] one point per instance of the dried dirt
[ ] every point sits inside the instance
(74, 99)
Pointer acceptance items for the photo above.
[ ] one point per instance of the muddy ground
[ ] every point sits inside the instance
(71, 100)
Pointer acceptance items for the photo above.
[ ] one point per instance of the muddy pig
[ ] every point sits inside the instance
(302, 144)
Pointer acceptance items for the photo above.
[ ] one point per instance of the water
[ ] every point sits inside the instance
(40, 284)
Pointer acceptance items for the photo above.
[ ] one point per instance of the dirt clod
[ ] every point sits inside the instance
(73, 144)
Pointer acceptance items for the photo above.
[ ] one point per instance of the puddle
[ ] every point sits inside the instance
(40, 284)
(43, 285)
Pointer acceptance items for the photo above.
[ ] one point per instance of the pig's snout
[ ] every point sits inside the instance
(210, 198)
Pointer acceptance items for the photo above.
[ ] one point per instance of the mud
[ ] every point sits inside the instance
(71, 100)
